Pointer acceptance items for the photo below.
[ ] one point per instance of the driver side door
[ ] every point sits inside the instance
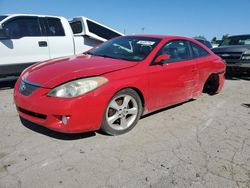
(174, 80)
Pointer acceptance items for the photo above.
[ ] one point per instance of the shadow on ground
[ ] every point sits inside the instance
(7, 84)
(165, 109)
(245, 105)
(61, 136)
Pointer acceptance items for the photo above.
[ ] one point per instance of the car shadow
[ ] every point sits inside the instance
(245, 105)
(7, 84)
(150, 114)
(61, 136)
(165, 109)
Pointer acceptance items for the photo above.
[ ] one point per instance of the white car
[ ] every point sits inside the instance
(26, 39)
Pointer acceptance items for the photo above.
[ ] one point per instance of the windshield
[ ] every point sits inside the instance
(127, 48)
(2, 17)
(237, 40)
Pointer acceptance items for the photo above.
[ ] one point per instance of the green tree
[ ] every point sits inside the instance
(214, 40)
(225, 37)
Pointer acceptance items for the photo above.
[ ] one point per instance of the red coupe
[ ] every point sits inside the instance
(111, 86)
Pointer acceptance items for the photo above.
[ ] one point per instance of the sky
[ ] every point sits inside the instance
(190, 18)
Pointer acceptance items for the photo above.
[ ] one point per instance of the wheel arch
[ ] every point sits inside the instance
(211, 84)
(138, 91)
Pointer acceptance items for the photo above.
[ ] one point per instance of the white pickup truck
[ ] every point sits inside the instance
(26, 39)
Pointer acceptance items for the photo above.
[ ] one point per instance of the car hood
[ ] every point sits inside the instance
(51, 73)
(232, 48)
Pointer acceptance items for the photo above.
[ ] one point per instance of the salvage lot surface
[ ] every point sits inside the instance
(202, 143)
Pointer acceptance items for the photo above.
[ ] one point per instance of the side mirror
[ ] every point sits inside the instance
(4, 34)
(161, 58)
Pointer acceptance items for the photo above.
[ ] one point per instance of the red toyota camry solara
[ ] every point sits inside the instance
(111, 86)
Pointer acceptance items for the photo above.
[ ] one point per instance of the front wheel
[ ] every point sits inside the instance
(122, 113)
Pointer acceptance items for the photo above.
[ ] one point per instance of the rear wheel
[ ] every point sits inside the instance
(122, 113)
(212, 84)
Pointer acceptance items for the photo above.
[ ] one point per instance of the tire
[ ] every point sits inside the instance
(122, 112)
(211, 85)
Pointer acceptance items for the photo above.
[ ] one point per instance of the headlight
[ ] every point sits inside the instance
(246, 55)
(77, 87)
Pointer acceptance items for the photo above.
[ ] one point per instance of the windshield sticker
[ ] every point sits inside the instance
(146, 43)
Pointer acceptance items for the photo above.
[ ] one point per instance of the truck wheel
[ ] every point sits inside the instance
(122, 113)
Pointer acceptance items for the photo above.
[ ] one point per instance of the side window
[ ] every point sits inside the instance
(55, 27)
(198, 51)
(101, 31)
(177, 49)
(23, 27)
(76, 27)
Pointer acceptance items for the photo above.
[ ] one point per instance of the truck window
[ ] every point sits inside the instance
(55, 27)
(23, 27)
(76, 27)
(236, 40)
(101, 31)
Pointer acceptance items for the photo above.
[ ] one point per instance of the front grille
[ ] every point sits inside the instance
(34, 114)
(26, 88)
(230, 56)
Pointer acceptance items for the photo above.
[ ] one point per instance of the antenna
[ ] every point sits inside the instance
(143, 29)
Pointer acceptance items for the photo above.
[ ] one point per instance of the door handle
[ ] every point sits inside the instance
(42, 44)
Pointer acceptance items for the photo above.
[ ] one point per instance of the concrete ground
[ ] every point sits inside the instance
(202, 143)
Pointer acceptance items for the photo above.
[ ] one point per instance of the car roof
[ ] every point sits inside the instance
(161, 36)
(244, 35)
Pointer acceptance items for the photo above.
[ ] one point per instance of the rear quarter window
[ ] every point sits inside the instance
(198, 51)
(76, 27)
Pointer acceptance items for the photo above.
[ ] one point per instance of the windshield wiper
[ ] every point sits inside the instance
(88, 53)
(103, 55)
(107, 56)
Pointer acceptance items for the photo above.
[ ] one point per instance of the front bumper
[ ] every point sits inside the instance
(84, 113)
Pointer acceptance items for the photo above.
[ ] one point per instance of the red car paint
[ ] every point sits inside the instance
(159, 85)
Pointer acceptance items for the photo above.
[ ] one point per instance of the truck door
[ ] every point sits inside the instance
(25, 46)
(60, 37)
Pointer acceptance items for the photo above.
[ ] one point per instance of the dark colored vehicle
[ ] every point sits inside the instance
(205, 42)
(235, 50)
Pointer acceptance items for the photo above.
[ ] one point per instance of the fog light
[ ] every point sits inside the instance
(65, 120)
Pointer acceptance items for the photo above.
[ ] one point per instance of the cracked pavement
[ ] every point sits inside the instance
(201, 143)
